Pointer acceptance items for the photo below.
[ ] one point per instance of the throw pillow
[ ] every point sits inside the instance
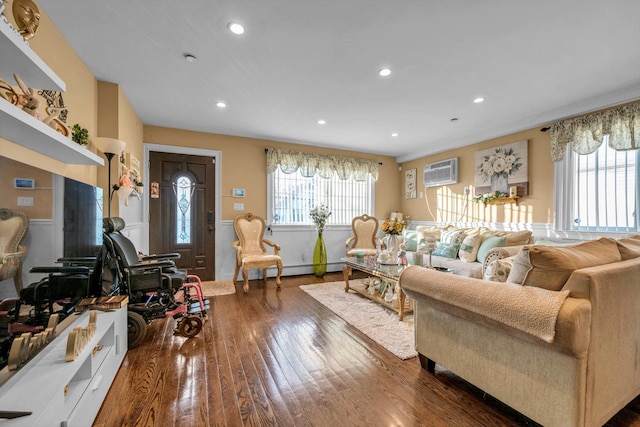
(629, 246)
(515, 238)
(489, 243)
(448, 250)
(410, 240)
(469, 248)
(549, 267)
(498, 270)
(454, 236)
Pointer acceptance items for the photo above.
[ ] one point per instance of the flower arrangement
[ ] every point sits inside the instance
(319, 215)
(503, 162)
(393, 226)
(487, 197)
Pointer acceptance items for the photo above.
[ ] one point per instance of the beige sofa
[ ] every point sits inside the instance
(469, 266)
(562, 347)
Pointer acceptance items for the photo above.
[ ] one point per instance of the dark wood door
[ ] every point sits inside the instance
(181, 210)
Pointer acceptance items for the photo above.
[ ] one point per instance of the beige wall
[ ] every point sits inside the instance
(80, 96)
(449, 203)
(244, 166)
(42, 194)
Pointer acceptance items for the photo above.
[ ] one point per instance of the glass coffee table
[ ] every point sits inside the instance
(387, 276)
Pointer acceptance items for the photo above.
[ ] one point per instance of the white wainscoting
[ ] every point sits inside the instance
(296, 248)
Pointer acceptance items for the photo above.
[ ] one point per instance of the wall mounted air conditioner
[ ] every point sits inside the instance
(441, 173)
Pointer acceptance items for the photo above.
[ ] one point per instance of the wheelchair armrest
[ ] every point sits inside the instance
(173, 255)
(152, 265)
(63, 270)
(88, 261)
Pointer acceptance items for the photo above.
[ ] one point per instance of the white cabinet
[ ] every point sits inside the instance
(20, 127)
(61, 393)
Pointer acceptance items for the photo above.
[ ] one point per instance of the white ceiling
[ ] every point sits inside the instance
(299, 61)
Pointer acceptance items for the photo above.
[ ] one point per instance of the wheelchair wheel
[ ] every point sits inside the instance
(189, 326)
(136, 329)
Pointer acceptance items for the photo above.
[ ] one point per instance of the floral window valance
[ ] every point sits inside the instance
(586, 133)
(325, 166)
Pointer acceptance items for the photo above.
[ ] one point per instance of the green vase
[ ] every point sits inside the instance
(320, 257)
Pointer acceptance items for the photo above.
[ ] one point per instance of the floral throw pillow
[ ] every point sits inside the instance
(498, 270)
(469, 248)
(448, 250)
(455, 236)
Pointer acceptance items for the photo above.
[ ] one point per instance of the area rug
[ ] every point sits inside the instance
(212, 288)
(375, 321)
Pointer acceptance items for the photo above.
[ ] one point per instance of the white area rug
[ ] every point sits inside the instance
(377, 322)
(213, 288)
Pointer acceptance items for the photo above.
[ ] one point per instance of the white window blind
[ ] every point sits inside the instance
(293, 197)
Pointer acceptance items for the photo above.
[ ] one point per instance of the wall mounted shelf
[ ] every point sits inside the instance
(502, 201)
(24, 129)
(19, 58)
(18, 126)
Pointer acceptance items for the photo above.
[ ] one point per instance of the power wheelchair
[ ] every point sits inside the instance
(155, 288)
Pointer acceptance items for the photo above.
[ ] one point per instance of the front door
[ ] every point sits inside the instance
(181, 210)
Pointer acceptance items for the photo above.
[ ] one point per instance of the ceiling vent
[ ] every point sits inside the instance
(441, 173)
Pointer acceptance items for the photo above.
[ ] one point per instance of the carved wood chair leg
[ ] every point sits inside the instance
(245, 275)
(264, 275)
(278, 274)
(17, 279)
(235, 273)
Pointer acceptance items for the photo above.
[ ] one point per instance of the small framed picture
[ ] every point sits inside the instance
(410, 184)
(382, 288)
(238, 192)
(24, 183)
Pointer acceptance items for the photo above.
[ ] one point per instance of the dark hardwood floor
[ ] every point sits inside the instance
(279, 358)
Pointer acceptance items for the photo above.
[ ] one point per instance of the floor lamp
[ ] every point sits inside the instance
(110, 147)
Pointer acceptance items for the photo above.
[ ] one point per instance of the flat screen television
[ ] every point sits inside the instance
(82, 219)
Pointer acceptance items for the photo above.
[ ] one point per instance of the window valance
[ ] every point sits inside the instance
(586, 133)
(325, 166)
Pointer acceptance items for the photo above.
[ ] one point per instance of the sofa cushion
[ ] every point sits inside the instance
(469, 247)
(515, 238)
(489, 242)
(427, 230)
(549, 267)
(629, 246)
(455, 236)
(410, 240)
(448, 250)
(498, 270)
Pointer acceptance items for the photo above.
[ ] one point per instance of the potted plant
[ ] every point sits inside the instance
(79, 135)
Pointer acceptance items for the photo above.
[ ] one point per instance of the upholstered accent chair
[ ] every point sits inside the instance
(251, 251)
(13, 227)
(364, 239)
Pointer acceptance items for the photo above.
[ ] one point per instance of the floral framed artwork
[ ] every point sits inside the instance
(410, 184)
(499, 168)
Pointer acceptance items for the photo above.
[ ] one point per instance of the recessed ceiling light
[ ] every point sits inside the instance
(189, 57)
(236, 28)
(395, 134)
(322, 122)
(221, 104)
(384, 72)
(478, 100)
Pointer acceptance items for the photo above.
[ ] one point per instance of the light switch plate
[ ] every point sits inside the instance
(238, 206)
(25, 201)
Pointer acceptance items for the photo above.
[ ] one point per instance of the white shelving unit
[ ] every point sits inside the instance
(18, 126)
(61, 393)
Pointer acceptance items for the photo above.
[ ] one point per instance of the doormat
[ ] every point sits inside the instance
(212, 288)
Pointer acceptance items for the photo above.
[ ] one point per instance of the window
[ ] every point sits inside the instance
(293, 196)
(598, 192)
(184, 191)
